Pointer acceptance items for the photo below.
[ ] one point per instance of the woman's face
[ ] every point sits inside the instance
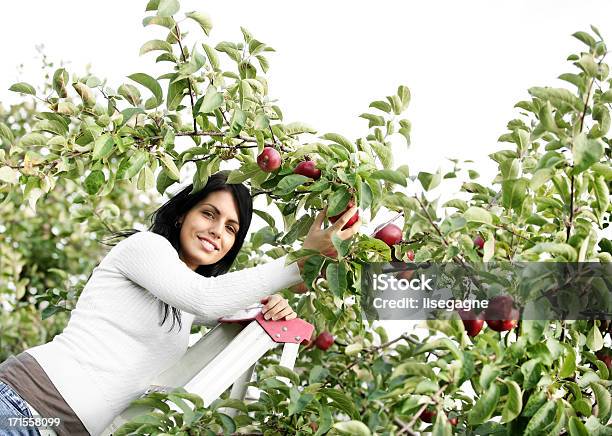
(209, 229)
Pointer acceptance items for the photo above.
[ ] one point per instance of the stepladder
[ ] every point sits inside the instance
(225, 357)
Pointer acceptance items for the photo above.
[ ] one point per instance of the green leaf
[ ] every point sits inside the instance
(103, 146)
(602, 194)
(594, 339)
(176, 93)
(163, 182)
(60, 79)
(170, 166)
(281, 371)
(585, 38)
(155, 44)
(514, 402)
(134, 165)
(353, 428)
(212, 56)
(229, 425)
(478, 215)
(457, 204)
(576, 427)
(131, 94)
(514, 193)
(485, 406)
(93, 182)
(604, 401)
(298, 402)
(212, 100)
(298, 128)
(555, 248)
(390, 176)
(586, 152)
(151, 84)
(341, 401)
(166, 22)
(6, 133)
(167, 8)
(338, 201)
(24, 88)
(429, 181)
(404, 95)
(557, 96)
(336, 278)
(568, 365)
(202, 19)
(288, 184)
(9, 175)
(341, 140)
(373, 120)
(413, 368)
(542, 418)
(441, 427)
(381, 105)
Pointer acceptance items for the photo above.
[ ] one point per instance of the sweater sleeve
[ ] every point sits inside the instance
(149, 260)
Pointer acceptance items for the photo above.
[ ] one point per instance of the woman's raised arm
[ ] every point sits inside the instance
(149, 260)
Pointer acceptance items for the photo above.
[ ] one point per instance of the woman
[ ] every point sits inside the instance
(115, 343)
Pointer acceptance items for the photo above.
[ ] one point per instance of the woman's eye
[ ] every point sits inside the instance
(208, 213)
(231, 229)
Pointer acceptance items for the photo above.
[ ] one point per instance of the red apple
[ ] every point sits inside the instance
(314, 426)
(503, 325)
(269, 160)
(350, 222)
(453, 421)
(604, 357)
(427, 415)
(410, 255)
(471, 322)
(479, 242)
(324, 340)
(308, 168)
(389, 234)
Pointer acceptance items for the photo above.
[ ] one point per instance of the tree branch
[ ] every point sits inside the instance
(191, 90)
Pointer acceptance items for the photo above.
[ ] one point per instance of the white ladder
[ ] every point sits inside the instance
(225, 356)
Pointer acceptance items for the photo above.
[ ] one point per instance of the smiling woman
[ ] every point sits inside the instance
(115, 343)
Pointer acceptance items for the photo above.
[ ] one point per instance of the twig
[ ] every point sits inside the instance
(437, 229)
(191, 90)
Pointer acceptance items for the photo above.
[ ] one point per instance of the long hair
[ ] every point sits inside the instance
(164, 222)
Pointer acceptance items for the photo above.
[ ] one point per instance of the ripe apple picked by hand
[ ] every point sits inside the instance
(350, 222)
(269, 160)
(308, 168)
(390, 235)
(324, 340)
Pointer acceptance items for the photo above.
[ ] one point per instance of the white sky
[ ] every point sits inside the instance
(466, 62)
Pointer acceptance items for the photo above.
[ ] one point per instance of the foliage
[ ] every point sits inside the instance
(549, 201)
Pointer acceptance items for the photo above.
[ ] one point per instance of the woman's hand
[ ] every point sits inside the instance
(276, 307)
(321, 239)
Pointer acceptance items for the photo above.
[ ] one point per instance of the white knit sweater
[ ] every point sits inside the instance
(113, 345)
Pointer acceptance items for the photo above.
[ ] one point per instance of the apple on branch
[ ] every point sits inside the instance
(471, 322)
(308, 168)
(324, 340)
(269, 159)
